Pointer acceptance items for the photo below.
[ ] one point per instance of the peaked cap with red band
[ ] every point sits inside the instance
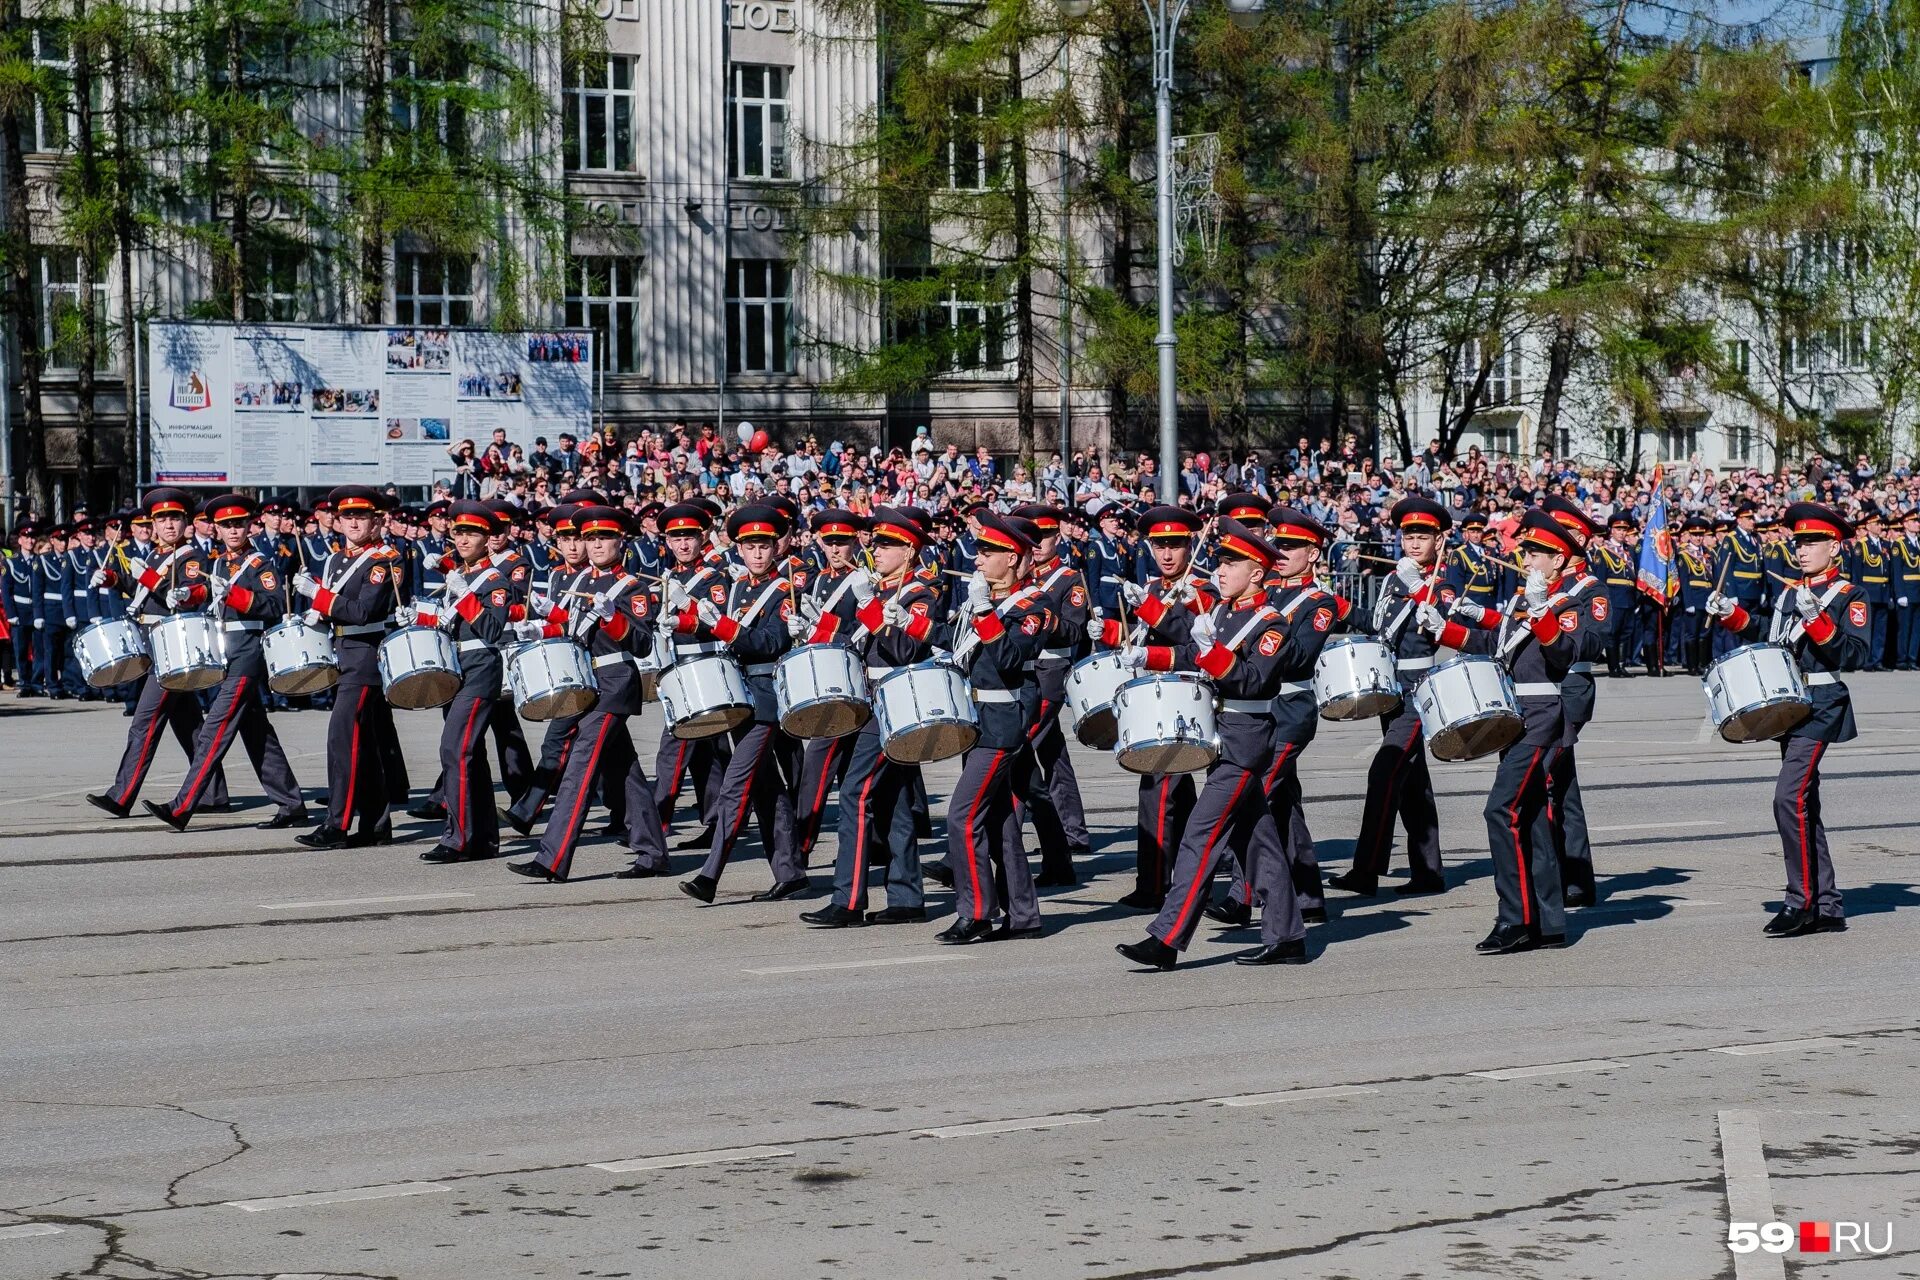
(230, 506)
(1000, 533)
(1236, 539)
(167, 502)
(1290, 524)
(600, 521)
(1817, 520)
(1546, 532)
(1167, 524)
(476, 516)
(1421, 515)
(836, 522)
(757, 520)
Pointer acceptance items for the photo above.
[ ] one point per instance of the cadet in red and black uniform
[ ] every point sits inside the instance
(1566, 815)
(1398, 781)
(1537, 637)
(356, 594)
(248, 596)
(828, 614)
(1246, 648)
(556, 745)
(615, 621)
(753, 628)
(174, 580)
(876, 794)
(687, 526)
(1052, 793)
(1005, 623)
(1825, 621)
(1166, 608)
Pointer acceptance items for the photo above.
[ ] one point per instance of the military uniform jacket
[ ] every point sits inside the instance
(702, 579)
(515, 569)
(476, 621)
(1538, 653)
(21, 605)
(359, 590)
(617, 644)
(1066, 590)
(1871, 572)
(1743, 576)
(832, 593)
(1904, 555)
(889, 648)
(754, 628)
(184, 566)
(1167, 612)
(429, 567)
(1472, 573)
(53, 583)
(1004, 682)
(1837, 641)
(250, 597)
(1696, 579)
(1251, 663)
(1393, 624)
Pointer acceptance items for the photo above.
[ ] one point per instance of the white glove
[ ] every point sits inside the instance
(1691, 609)
(738, 572)
(136, 566)
(809, 609)
(1719, 606)
(177, 596)
(314, 619)
(1408, 571)
(798, 626)
(600, 608)
(457, 585)
(538, 604)
(72, 623)
(1096, 626)
(1186, 591)
(1902, 602)
(306, 585)
(895, 614)
(1536, 592)
(1204, 633)
(1430, 620)
(405, 615)
(979, 594)
(1133, 658)
(98, 578)
(1470, 610)
(39, 624)
(1134, 594)
(861, 586)
(678, 597)
(1806, 603)
(530, 629)
(708, 612)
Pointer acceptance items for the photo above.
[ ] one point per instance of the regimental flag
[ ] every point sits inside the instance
(1659, 574)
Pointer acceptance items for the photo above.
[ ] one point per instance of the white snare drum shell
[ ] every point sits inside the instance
(1356, 678)
(1467, 709)
(1166, 724)
(188, 653)
(1756, 693)
(820, 691)
(705, 697)
(419, 669)
(925, 713)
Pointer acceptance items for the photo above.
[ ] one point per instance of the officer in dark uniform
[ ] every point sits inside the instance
(1110, 559)
(84, 559)
(1825, 621)
(1619, 575)
(1052, 794)
(23, 608)
(1871, 571)
(1738, 572)
(53, 583)
(1905, 558)
(247, 596)
(1696, 584)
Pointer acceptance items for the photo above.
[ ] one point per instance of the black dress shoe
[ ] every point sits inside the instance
(166, 815)
(532, 870)
(1149, 953)
(1007, 933)
(1355, 883)
(1278, 953)
(1789, 918)
(1507, 939)
(784, 890)
(379, 835)
(1314, 915)
(898, 915)
(638, 872)
(509, 818)
(833, 916)
(700, 887)
(1578, 896)
(281, 821)
(106, 804)
(442, 853)
(1229, 912)
(428, 811)
(938, 872)
(702, 841)
(225, 806)
(1552, 941)
(323, 837)
(963, 932)
(1831, 924)
(1413, 888)
(1055, 879)
(1141, 900)
(1806, 922)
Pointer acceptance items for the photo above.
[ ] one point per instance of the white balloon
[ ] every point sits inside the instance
(744, 431)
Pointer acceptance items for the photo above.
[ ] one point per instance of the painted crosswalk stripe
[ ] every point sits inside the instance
(26, 1229)
(690, 1159)
(1658, 826)
(882, 963)
(1548, 1069)
(1290, 1095)
(1743, 1161)
(361, 902)
(389, 1191)
(1783, 1046)
(1008, 1126)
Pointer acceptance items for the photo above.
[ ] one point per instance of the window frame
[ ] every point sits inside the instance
(771, 312)
(618, 342)
(774, 116)
(579, 100)
(408, 301)
(53, 353)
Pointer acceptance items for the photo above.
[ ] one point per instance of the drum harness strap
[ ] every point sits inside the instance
(219, 604)
(614, 592)
(1788, 627)
(473, 588)
(1063, 653)
(352, 567)
(1261, 616)
(141, 594)
(773, 588)
(1014, 600)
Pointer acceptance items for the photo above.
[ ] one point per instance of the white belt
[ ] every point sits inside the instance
(472, 646)
(762, 668)
(1820, 677)
(1058, 655)
(245, 626)
(995, 695)
(611, 660)
(1247, 706)
(1580, 669)
(1412, 664)
(51, 595)
(1294, 688)
(361, 629)
(705, 646)
(1536, 690)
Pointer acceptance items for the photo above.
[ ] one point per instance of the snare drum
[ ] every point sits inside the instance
(1355, 679)
(704, 697)
(188, 652)
(925, 713)
(300, 658)
(820, 691)
(1467, 709)
(1755, 693)
(550, 679)
(1091, 687)
(1166, 724)
(111, 651)
(419, 668)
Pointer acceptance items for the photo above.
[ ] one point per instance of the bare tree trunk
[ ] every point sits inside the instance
(30, 429)
(239, 226)
(87, 161)
(373, 242)
(1023, 285)
(123, 237)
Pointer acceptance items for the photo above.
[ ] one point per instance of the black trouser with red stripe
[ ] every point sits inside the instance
(1399, 782)
(1796, 811)
(983, 838)
(1526, 872)
(556, 745)
(473, 826)
(753, 781)
(1166, 801)
(180, 712)
(876, 800)
(238, 711)
(1050, 792)
(602, 753)
(1231, 815)
(704, 758)
(356, 773)
(824, 762)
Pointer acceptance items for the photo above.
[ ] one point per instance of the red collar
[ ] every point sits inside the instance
(1831, 572)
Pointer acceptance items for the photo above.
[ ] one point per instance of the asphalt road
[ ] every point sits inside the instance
(225, 1055)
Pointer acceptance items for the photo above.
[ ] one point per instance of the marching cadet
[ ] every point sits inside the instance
(1738, 571)
(1246, 648)
(1565, 819)
(1825, 621)
(686, 527)
(175, 581)
(1696, 584)
(828, 613)
(356, 593)
(1166, 608)
(1537, 636)
(875, 795)
(752, 625)
(247, 595)
(1006, 622)
(1871, 572)
(1905, 555)
(430, 551)
(23, 609)
(1398, 781)
(1052, 793)
(1472, 572)
(568, 576)
(614, 615)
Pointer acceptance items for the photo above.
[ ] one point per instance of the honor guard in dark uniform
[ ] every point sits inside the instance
(83, 561)
(828, 614)
(1472, 573)
(1110, 563)
(1565, 822)
(513, 558)
(1248, 650)
(896, 626)
(1164, 609)
(1052, 794)
(356, 593)
(1618, 575)
(1872, 572)
(430, 551)
(176, 580)
(247, 595)
(1696, 584)
(53, 583)
(23, 609)
(1537, 636)
(1398, 781)
(1825, 622)
(1905, 557)
(751, 625)
(687, 528)
(614, 615)
(1739, 573)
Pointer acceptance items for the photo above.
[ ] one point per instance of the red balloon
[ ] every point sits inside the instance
(759, 442)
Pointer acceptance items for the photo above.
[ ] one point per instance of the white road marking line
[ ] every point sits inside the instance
(1289, 1095)
(387, 1192)
(1548, 1069)
(855, 964)
(689, 1159)
(360, 902)
(1706, 730)
(26, 1229)
(1749, 1197)
(1008, 1126)
(1660, 826)
(1782, 1046)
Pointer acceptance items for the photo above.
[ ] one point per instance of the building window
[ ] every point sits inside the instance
(1852, 345)
(603, 294)
(276, 284)
(1617, 444)
(1503, 370)
(57, 272)
(1798, 356)
(1564, 440)
(1739, 443)
(973, 162)
(49, 125)
(1739, 357)
(758, 145)
(426, 103)
(432, 289)
(602, 105)
(1503, 442)
(759, 316)
(980, 332)
(1678, 444)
